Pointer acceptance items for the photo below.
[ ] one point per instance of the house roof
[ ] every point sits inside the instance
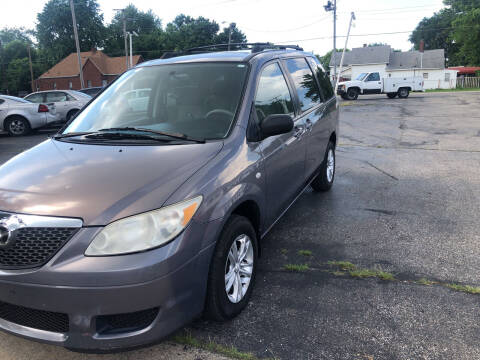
(364, 55)
(105, 64)
(432, 59)
(463, 70)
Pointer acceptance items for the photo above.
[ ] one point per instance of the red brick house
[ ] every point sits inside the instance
(98, 70)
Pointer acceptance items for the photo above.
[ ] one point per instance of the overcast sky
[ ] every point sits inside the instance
(303, 22)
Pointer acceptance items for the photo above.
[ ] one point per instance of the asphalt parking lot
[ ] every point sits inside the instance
(405, 205)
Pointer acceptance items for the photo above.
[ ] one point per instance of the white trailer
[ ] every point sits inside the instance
(372, 83)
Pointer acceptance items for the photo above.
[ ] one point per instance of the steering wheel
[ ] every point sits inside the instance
(219, 112)
(219, 121)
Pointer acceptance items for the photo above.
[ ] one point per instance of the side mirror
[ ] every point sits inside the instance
(276, 125)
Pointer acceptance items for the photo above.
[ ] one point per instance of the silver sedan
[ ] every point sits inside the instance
(19, 116)
(67, 102)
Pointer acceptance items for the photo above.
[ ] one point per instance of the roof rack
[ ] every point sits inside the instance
(254, 47)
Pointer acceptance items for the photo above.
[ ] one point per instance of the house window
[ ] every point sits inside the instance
(89, 83)
(70, 85)
(104, 83)
(447, 76)
(54, 85)
(425, 75)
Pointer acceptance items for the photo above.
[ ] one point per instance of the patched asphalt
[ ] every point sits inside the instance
(405, 200)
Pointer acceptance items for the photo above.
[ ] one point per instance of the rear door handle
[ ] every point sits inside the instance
(309, 124)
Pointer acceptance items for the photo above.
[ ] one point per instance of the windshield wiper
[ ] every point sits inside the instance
(120, 135)
(170, 135)
(72, 134)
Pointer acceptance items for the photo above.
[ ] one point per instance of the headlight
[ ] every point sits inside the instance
(144, 231)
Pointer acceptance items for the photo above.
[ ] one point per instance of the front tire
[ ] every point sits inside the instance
(233, 270)
(71, 114)
(324, 180)
(352, 94)
(17, 126)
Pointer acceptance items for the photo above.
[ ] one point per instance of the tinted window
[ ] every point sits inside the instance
(56, 97)
(198, 99)
(322, 78)
(304, 81)
(273, 96)
(35, 98)
(373, 77)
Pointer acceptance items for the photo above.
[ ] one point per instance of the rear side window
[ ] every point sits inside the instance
(35, 98)
(325, 84)
(56, 97)
(373, 77)
(273, 96)
(305, 83)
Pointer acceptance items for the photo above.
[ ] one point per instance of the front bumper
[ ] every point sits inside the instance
(340, 91)
(88, 290)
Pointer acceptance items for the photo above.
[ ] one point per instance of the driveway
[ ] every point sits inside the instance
(382, 267)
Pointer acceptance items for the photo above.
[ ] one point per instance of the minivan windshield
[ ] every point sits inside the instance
(361, 76)
(197, 100)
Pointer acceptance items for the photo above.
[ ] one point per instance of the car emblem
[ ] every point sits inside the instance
(8, 227)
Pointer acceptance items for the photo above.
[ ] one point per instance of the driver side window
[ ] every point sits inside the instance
(373, 77)
(273, 96)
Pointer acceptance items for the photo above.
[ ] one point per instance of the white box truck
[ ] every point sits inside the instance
(372, 83)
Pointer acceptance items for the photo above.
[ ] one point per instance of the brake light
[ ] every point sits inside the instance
(42, 108)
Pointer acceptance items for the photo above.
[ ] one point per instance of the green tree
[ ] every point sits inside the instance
(150, 40)
(437, 33)
(54, 30)
(186, 32)
(236, 36)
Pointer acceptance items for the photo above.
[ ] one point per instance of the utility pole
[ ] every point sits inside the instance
(352, 18)
(333, 7)
(131, 46)
(124, 35)
(31, 68)
(75, 32)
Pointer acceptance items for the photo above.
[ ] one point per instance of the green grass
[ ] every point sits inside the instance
(284, 251)
(228, 351)
(424, 281)
(344, 265)
(451, 90)
(305, 252)
(464, 288)
(296, 267)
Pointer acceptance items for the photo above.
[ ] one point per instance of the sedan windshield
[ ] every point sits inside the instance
(197, 100)
(361, 76)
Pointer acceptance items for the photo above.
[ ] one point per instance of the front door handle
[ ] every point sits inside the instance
(299, 130)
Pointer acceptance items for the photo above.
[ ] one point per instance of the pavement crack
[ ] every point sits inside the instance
(382, 171)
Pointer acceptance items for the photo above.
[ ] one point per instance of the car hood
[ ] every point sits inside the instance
(350, 83)
(98, 183)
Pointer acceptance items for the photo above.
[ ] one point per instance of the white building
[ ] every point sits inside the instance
(429, 64)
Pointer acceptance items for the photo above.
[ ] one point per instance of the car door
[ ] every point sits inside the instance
(59, 100)
(284, 155)
(372, 84)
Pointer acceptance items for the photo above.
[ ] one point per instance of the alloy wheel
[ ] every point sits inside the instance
(330, 165)
(17, 127)
(239, 268)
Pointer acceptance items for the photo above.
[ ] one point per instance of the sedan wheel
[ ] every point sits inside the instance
(18, 126)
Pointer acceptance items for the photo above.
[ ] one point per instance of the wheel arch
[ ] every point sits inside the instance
(250, 210)
(333, 138)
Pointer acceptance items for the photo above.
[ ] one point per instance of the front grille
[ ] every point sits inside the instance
(37, 319)
(34, 246)
(122, 323)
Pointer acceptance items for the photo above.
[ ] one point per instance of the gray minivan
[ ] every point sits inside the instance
(133, 220)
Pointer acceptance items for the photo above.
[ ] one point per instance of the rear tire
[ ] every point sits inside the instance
(392, 95)
(324, 180)
(352, 94)
(17, 126)
(222, 302)
(403, 93)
